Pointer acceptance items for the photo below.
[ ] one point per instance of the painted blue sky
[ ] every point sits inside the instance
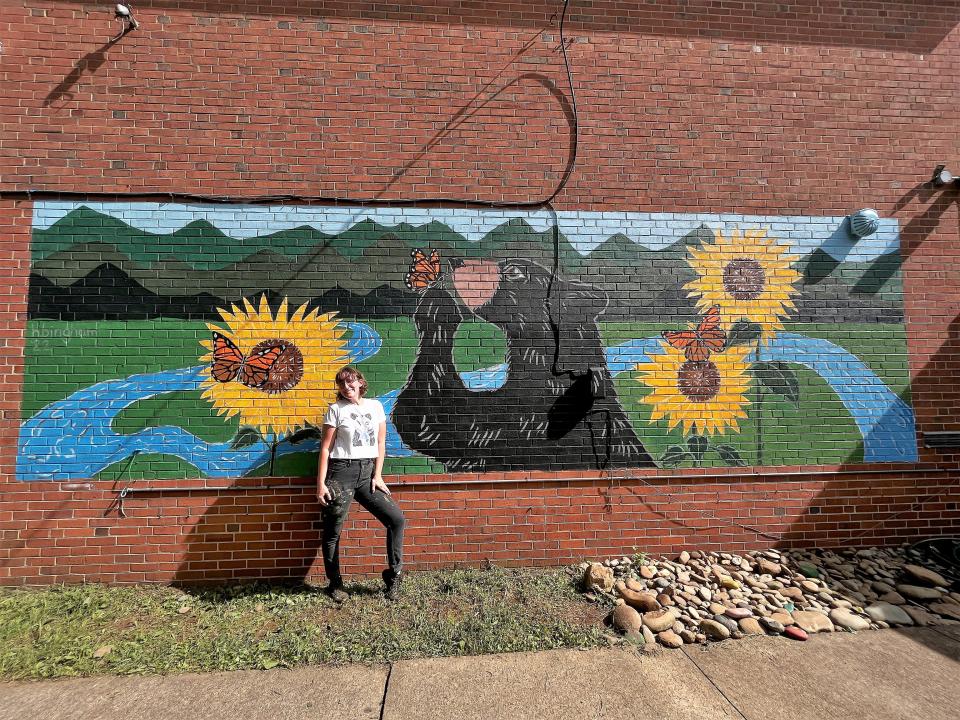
(585, 230)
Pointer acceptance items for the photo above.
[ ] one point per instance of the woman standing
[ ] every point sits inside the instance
(352, 449)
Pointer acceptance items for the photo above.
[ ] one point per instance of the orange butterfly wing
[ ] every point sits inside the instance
(424, 271)
(680, 339)
(697, 345)
(256, 368)
(227, 359)
(709, 332)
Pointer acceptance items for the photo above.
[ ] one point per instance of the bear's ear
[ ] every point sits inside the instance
(574, 307)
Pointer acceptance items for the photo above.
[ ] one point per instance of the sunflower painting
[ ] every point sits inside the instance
(275, 371)
(708, 396)
(749, 276)
(207, 343)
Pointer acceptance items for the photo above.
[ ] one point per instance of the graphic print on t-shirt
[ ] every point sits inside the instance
(364, 431)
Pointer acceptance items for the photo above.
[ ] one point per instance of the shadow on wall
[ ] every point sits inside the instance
(917, 26)
(254, 534)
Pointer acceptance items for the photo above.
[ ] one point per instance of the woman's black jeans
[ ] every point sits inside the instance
(347, 479)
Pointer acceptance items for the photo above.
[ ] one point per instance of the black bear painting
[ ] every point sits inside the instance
(557, 409)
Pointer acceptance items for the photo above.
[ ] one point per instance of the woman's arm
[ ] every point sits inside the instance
(326, 443)
(377, 482)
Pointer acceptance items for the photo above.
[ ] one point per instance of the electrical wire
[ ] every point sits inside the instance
(173, 196)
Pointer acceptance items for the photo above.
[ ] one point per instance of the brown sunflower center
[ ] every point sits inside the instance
(744, 279)
(699, 381)
(283, 373)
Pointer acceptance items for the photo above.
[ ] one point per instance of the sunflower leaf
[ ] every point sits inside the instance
(743, 332)
(308, 433)
(698, 445)
(246, 437)
(730, 456)
(779, 378)
(674, 455)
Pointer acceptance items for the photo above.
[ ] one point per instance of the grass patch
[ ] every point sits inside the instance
(61, 631)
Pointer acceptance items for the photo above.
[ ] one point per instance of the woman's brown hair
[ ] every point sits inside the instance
(346, 375)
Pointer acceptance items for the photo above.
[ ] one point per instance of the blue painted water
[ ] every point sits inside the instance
(72, 438)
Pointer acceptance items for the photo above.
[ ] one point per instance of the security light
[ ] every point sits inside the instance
(943, 177)
(124, 14)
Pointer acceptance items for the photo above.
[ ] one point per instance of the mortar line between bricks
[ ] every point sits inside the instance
(386, 687)
(710, 680)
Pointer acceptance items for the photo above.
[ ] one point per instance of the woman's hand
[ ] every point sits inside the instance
(324, 495)
(377, 483)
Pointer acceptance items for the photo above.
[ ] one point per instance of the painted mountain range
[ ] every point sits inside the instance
(92, 266)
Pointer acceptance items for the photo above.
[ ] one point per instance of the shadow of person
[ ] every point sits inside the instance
(252, 534)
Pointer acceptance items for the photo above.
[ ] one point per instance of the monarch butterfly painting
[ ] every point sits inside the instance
(697, 345)
(229, 363)
(424, 270)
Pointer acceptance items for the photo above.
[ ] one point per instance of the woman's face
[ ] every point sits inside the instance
(350, 389)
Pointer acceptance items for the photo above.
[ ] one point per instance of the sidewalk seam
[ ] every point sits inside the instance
(386, 687)
(710, 680)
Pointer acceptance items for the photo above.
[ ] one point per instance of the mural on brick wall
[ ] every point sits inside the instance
(175, 341)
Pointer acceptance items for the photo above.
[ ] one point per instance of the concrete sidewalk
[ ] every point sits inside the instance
(877, 675)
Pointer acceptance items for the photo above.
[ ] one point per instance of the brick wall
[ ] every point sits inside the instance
(779, 116)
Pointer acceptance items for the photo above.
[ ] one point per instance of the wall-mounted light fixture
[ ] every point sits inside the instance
(864, 222)
(124, 13)
(944, 178)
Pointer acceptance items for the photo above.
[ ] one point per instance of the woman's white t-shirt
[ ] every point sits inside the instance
(357, 427)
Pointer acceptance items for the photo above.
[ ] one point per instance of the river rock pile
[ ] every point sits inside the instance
(704, 596)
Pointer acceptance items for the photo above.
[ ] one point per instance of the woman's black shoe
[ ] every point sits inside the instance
(336, 592)
(392, 581)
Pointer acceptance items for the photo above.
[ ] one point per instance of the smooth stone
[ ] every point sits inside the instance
(659, 620)
(648, 637)
(784, 618)
(705, 594)
(750, 626)
(885, 612)
(808, 569)
(810, 586)
(847, 620)
(625, 619)
(792, 592)
(717, 608)
(920, 616)
(635, 585)
(812, 621)
(893, 598)
(729, 583)
(714, 630)
(648, 572)
(918, 592)
(688, 636)
(684, 557)
(670, 639)
(795, 633)
(768, 567)
(644, 602)
(927, 577)
(738, 613)
(771, 625)
(949, 610)
(729, 623)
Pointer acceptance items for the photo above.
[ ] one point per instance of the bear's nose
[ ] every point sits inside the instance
(455, 263)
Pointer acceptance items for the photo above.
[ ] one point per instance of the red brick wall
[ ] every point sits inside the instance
(761, 107)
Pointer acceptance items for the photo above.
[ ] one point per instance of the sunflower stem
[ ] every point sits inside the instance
(273, 454)
(759, 409)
